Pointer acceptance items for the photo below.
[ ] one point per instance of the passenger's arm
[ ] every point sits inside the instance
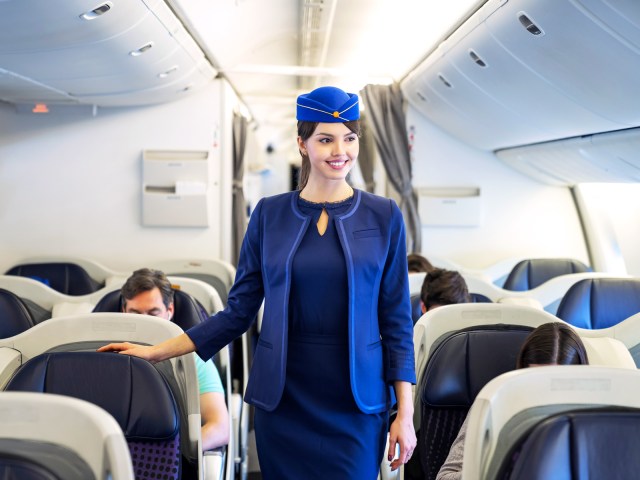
(215, 420)
(173, 347)
(402, 431)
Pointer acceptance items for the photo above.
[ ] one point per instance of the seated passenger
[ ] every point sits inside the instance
(550, 344)
(149, 292)
(416, 263)
(443, 287)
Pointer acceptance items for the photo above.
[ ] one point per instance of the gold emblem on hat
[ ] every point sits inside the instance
(336, 114)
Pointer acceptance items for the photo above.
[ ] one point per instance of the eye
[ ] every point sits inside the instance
(325, 140)
(352, 138)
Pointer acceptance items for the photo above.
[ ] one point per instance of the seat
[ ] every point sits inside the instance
(64, 277)
(564, 422)
(529, 274)
(458, 349)
(129, 388)
(58, 437)
(188, 312)
(15, 317)
(459, 366)
(600, 302)
(89, 331)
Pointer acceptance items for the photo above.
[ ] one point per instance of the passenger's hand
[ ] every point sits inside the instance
(401, 433)
(142, 351)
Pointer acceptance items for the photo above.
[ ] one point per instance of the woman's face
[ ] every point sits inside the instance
(332, 149)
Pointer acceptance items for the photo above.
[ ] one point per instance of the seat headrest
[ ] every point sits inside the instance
(467, 360)
(14, 313)
(593, 444)
(529, 274)
(479, 298)
(127, 387)
(67, 278)
(595, 303)
(187, 312)
(416, 307)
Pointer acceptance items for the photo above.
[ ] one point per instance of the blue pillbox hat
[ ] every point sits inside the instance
(328, 105)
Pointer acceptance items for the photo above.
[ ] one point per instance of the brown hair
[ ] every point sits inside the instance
(416, 263)
(146, 279)
(305, 130)
(552, 343)
(443, 287)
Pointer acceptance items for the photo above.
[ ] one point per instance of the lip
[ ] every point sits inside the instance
(340, 164)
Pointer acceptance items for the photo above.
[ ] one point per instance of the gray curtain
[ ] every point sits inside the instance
(366, 157)
(238, 209)
(386, 117)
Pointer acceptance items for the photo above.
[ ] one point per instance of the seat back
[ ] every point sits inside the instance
(15, 317)
(600, 302)
(529, 274)
(67, 278)
(508, 407)
(129, 388)
(460, 365)
(59, 437)
(577, 444)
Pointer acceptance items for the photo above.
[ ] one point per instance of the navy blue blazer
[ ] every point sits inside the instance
(372, 236)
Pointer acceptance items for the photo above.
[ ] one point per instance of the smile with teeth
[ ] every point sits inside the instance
(337, 164)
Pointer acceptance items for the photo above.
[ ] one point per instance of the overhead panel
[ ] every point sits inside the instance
(98, 50)
(523, 72)
(577, 53)
(605, 157)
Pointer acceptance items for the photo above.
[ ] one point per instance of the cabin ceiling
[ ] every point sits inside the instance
(270, 51)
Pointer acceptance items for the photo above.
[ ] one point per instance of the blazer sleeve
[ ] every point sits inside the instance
(394, 306)
(245, 297)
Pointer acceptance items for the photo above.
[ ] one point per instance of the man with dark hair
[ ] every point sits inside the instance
(149, 292)
(443, 287)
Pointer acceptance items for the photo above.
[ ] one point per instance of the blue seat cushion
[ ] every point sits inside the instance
(576, 445)
(67, 278)
(15, 317)
(595, 303)
(529, 274)
(129, 388)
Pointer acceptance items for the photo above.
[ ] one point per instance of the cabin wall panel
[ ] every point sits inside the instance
(71, 183)
(520, 217)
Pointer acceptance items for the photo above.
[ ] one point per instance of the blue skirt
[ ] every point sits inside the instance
(317, 431)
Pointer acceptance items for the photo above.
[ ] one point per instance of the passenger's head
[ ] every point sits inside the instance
(552, 343)
(149, 292)
(325, 115)
(443, 287)
(416, 263)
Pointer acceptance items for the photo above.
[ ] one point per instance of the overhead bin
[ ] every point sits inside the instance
(530, 71)
(606, 157)
(136, 52)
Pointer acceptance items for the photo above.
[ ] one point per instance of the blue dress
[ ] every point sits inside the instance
(317, 431)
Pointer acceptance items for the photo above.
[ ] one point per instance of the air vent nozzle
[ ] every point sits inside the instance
(444, 80)
(476, 58)
(527, 23)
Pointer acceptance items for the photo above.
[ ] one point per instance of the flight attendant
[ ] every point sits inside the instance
(337, 336)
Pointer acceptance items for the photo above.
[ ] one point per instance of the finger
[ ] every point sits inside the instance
(113, 347)
(392, 449)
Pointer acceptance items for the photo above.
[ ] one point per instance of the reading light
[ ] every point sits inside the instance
(141, 50)
(96, 12)
(168, 72)
(40, 108)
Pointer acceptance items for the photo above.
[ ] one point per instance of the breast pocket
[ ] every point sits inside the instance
(369, 232)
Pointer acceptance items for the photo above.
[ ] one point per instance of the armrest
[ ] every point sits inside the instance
(213, 463)
(10, 360)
